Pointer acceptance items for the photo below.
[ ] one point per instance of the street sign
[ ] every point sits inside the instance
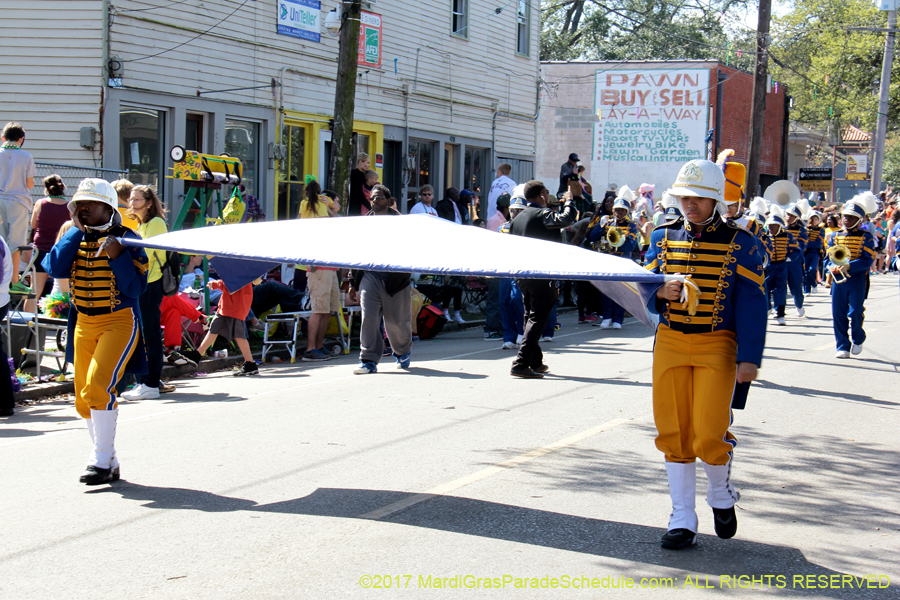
(886, 4)
(858, 167)
(816, 179)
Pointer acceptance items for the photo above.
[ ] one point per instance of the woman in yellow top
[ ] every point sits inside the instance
(317, 204)
(324, 296)
(646, 229)
(146, 208)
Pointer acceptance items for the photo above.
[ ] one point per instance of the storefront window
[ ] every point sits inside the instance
(420, 164)
(290, 185)
(141, 145)
(242, 142)
(522, 170)
(362, 146)
(477, 173)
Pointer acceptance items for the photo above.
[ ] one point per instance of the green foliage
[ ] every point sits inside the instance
(832, 73)
(890, 170)
(645, 30)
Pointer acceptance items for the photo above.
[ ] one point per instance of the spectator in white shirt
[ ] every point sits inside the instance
(502, 185)
(423, 206)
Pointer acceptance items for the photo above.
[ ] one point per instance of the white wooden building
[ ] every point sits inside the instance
(456, 91)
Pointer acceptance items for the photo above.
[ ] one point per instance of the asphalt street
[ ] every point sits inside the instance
(438, 482)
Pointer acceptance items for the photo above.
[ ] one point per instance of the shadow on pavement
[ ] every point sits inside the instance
(826, 394)
(611, 539)
(49, 413)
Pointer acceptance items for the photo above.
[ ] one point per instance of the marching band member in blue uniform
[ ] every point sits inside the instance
(795, 255)
(613, 314)
(848, 292)
(756, 217)
(779, 244)
(813, 254)
(754, 221)
(703, 346)
(735, 179)
(105, 337)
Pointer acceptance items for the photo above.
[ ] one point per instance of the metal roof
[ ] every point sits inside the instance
(854, 134)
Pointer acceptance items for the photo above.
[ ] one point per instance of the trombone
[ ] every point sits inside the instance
(840, 257)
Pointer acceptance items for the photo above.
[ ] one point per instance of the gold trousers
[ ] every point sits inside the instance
(103, 346)
(693, 382)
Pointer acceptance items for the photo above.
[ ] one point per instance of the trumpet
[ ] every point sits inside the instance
(840, 257)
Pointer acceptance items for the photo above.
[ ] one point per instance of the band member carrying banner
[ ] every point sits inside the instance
(710, 336)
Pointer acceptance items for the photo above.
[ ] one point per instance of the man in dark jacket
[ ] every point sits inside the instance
(380, 295)
(566, 171)
(538, 295)
(449, 207)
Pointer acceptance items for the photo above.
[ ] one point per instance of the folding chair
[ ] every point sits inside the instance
(475, 292)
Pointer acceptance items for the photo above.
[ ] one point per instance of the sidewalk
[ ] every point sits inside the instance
(35, 390)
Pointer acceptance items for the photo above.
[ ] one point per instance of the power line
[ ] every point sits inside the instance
(128, 10)
(199, 35)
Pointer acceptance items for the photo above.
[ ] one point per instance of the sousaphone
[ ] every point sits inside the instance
(783, 193)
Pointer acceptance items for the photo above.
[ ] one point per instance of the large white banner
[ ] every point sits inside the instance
(652, 121)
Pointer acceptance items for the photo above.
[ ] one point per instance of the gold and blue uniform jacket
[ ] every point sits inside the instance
(816, 238)
(626, 228)
(750, 223)
(780, 246)
(861, 245)
(724, 260)
(98, 285)
(801, 238)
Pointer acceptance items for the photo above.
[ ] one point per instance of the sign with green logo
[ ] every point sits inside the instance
(369, 54)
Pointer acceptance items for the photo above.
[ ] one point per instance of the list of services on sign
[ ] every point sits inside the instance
(651, 121)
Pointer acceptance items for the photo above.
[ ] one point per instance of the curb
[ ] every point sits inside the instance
(57, 388)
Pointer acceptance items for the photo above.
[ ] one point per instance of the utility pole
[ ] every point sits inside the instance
(758, 111)
(881, 129)
(344, 101)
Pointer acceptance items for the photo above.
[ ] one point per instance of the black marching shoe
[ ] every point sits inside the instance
(96, 476)
(726, 522)
(525, 373)
(192, 356)
(541, 369)
(678, 539)
(247, 369)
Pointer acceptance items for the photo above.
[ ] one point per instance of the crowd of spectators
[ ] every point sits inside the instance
(317, 289)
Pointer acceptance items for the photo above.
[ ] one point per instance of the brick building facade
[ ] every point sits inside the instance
(573, 112)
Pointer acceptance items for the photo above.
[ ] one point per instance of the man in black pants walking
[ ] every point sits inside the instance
(538, 295)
